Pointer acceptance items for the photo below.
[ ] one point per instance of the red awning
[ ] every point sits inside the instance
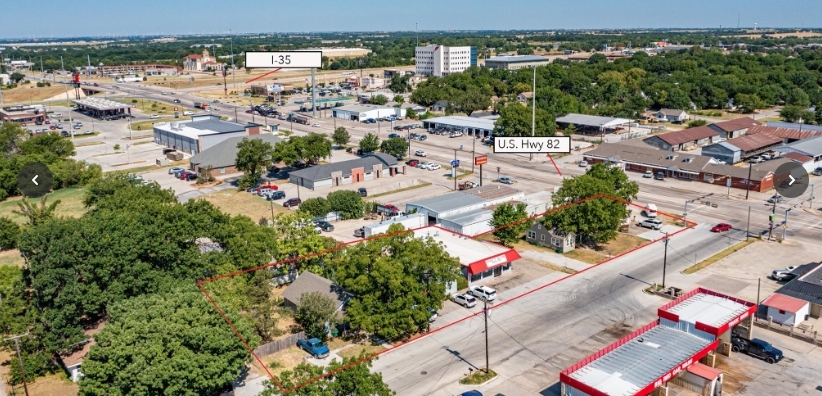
(483, 265)
(701, 370)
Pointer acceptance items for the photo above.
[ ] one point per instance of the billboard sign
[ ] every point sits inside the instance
(284, 59)
(480, 160)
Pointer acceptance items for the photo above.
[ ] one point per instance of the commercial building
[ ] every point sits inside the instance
(365, 111)
(794, 125)
(370, 167)
(480, 261)
(222, 156)
(148, 70)
(441, 60)
(371, 82)
(200, 133)
(103, 109)
(202, 62)
(339, 52)
(409, 222)
(807, 286)
(734, 128)
(786, 310)
(811, 147)
(514, 62)
(590, 123)
(678, 349)
(23, 113)
(684, 140)
(471, 126)
(790, 134)
(742, 148)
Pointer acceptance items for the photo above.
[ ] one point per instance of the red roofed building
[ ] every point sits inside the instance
(202, 62)
(734, 128)
(786, 310)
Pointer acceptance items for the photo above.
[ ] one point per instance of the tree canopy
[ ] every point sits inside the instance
(397, 147)
(254, 156)
(356, 380)
(369, 143)
(504, 218)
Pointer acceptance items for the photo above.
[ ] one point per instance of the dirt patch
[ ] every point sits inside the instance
(734, 379)
(280, 361)
(11, 257)
(242, 203)
(30, 93)
(368, 348)
(621, 244)
(50, 385)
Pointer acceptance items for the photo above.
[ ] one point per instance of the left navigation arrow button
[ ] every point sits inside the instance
(34, 180)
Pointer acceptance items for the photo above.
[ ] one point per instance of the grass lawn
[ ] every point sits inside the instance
(71, 204)
(719, 256)
(11, 257)
(30, 93)
(421, 185)
(152, 106)
(242, 203)
(85, 135)
(461, 173)
(84, 144)
(367, 347)
(523, 245)
(183, 164)
(282, 361)
(622, 243)
(478, 377)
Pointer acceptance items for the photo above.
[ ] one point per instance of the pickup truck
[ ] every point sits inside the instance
(315, 347)
(757, 348)
(467, 185)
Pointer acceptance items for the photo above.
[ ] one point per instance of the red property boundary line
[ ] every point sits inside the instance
(265, 74)
(340, 246)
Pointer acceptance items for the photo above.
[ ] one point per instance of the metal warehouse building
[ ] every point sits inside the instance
(471, 126)
(461, 202)
(515, 62)
(200, 133)
(365, 111)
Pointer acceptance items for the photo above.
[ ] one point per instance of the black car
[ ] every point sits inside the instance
(362, 191)
(757, 348)
(659, 176)
(326, 226)
(393, 135)
(65, 133)
(275, 195)
(176, 100)
(422, 137)
(359, 232)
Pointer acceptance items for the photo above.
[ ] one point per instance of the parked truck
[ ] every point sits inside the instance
(388, 210)
(201, 105)
(128, 79)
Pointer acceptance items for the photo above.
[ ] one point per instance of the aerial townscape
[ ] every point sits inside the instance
(461, 198)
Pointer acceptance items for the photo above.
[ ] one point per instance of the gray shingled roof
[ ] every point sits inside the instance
(807, 286)
(225, 153)
(671, 112)
(308, 282)
(323, 172)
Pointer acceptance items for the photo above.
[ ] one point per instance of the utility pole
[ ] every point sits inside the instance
(773, 218)
(785, 226)
(16, 340)
(313, 95)
(252, 110)
(533, 109)
(665, 261)
(454, 169)
(233, 70)
(473, 153)
(748, 230)
(748, 182)
(485, 302)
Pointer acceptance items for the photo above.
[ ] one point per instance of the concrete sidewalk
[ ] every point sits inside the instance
(554, 258)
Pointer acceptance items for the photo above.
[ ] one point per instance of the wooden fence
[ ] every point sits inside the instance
(278, 345)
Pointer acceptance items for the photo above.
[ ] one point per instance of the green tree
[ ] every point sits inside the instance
(397, 147)
(36, 213)
(369, 143)
(515, 120)
(341, 136)
(349, 378)
(373, 272)
(398, 99)
(595, 220)
(314, 146)
(696, 123)
(9, 232)
(570, 130)
(12, 136)
(348, 203)
(50, 146)
(316, 207)
(106, 186)
(399, 84)
(378, 100)
(314, 311)
(509, 222)
(16, 77)
(409, 113)
(254, 156)
(471, 101)
(142, 350)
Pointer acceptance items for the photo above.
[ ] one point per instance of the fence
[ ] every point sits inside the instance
(810, 335)
(278, 345)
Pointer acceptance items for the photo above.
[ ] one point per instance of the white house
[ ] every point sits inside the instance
(786, 310)
(671, 115)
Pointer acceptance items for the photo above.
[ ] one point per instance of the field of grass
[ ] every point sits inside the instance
(236, 203)
(523, 245)
(153, 106)
(30, 93)
(282, 361)
(71, 204)
(719, 256)
(621, 244)
(368, 348)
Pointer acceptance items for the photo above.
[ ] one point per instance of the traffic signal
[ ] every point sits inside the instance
(772, 218)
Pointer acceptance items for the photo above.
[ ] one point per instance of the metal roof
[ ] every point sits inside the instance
(361, 108)
(687, 135)
(216, 125)
(640, 361)
(591, 120)
(517, 59)
(756, 141)
(794, 125)
(323, 172)
(785, 303)
(737, 124)
(225, 153)
(447, 202)
(202, 127)
(463, 122)
(811, 147)
(783, 132)
(463, 248)
(101, 104)
(709, 309)
(807, 285)
(472, 217)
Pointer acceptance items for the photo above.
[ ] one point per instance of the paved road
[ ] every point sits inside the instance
(536, 336)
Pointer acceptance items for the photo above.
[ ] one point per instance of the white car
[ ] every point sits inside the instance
(583, 164)
(154, 116)
(188, 113)
(215, 108)
(432, 166)
(315, 125)
(420, 153)
(164, 93)
(483, 293)
(423, 165)
(465, 300)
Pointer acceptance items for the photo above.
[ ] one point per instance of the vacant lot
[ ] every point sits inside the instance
(30, 93)
(71, 204)
(621, 244)
(281, 361)
(242, 203)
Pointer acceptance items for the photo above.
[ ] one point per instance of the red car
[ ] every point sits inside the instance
(268, 186)
(48, 122)
(413, 162)
(722, 227)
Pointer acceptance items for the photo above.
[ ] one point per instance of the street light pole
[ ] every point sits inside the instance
(454, 169)
(533, 109)
(233, 70)
(485, 302)
(16, 340)
(665, 261)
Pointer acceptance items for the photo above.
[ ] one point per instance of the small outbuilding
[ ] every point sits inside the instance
(786, 310)
(671, 115)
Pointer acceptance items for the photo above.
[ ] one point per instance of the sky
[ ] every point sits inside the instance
(48, 18)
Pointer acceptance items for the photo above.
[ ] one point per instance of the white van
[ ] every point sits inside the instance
(650, 210)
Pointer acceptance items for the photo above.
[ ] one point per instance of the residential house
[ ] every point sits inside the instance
(734, 128)
(552, 238)
(684, 140)
(369, 167)
(671, 115)
(202, 62)
(308, 282)
(417, 109)
(72, 362)
(525, 97)
(807, 286)
(222, 156)
(440, 106)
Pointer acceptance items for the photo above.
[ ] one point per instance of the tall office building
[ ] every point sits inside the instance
(439, 60)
